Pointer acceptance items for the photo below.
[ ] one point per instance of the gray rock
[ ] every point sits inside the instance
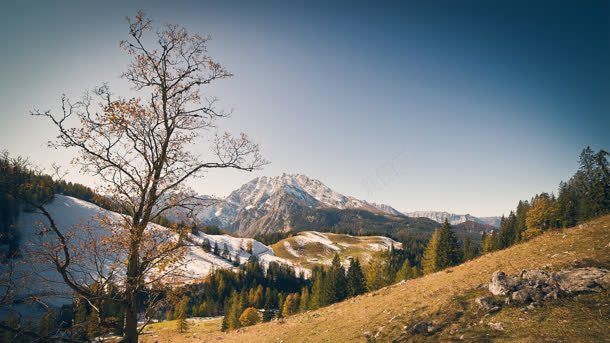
(496, 326)
(422, 328)
(432, 329)
(551, 295)
(537, 295)
(501, 284)
(538, 278)
(521, 296)
(536, 285)
(582, 280)
(486, 304)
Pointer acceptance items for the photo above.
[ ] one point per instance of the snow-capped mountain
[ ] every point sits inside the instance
(268, 204)
(453, 218)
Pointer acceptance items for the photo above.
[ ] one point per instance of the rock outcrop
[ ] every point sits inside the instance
(501, 284)
(535, 286)
(583, 280)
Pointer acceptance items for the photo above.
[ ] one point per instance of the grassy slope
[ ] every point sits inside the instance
(167, 331)
(448, 295)
(316, 253)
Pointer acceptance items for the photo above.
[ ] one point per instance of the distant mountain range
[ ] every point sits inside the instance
(298, 203)
(453, 218)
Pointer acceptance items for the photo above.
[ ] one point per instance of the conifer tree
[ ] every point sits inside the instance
(268, 313)
(224, 326)
(316, 290)
(243, 300)
(235, 311)
(182, 324)
(281, 298)
(225, 252)
(259, 298)
(377, 271)
(406, 272)
(356, 282)
(489, 242)
(304, 302)
(520, 225)
(290, 305)
(429, 263)
(567, 203)
(449, 251)
(508, 228)
(335, 288)
(470, 249)
(541, 216)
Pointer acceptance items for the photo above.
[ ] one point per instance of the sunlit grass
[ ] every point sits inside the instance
(167, 331)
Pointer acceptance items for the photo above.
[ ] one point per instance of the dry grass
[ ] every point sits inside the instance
(168, 331)
(386, 313)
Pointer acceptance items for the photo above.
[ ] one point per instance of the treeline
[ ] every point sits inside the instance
(272, 237)
(230, 292)
(585, 196)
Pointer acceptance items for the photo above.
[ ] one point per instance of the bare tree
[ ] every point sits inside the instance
(141, 150)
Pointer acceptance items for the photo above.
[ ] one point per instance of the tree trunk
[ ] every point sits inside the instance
(131, 299)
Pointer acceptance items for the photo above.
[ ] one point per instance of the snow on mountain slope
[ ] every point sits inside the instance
(34, 276)
(73, 215)
(269, 201)
(309, 248)
(387, 209)
(453, 218)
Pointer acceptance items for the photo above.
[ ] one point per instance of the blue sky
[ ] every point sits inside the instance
(459, 106)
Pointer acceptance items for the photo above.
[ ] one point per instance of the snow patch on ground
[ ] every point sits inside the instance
(315, 237)
(377, 246)
(290, 250)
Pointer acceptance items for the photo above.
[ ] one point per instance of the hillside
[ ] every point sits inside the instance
(309, 248)
(447, 297)
(69, 213)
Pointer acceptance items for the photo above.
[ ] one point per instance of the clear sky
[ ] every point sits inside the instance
(442, 105)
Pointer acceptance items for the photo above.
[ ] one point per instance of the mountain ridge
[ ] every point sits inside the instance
(453, 218)
(295, 202)
(266, 204)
